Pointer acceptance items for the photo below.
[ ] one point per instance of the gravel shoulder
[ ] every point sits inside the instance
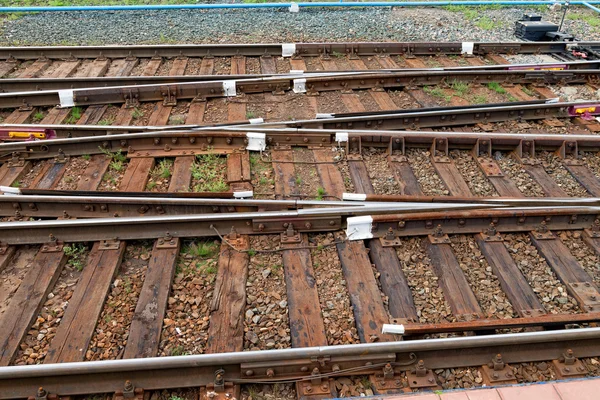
(279, 25)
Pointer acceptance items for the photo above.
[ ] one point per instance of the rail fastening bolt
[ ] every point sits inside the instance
(567, 369)
(430, 380)
(249, 372)
(270, 373)
(495, 375)
(308, 389)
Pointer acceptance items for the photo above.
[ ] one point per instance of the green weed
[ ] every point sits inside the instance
(16, 184)
(116, 156)
(76, 255)
(527, 91)
(249, 115)
(38, 116)
(437, 92)
(74, 115)
(137, 113)
(320, 193)
(461, 88)
(178, 351)
(207, 171)
(150, 185)
(486, 23)
(202, 249)
(480, 99)
(116, 166)
(495, 86)
(176, 120)
(86, 157)
(106, 121)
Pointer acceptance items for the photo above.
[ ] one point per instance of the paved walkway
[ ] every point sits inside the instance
(583, 389)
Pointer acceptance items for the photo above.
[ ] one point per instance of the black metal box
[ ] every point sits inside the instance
(534, 30)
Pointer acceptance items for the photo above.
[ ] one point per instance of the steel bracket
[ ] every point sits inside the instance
(587, 293)
(129, 392)
(525, 149)
(483, 148)
(354, 148)
(169, 97)
(131, 98)
(3, 248)
(489, 168)
(438, 236)
(111, 244)
(314, 389)
(387, 380)
(542, 232)
(390, 239)
(569, 149)
(238, 242)
(167, 242)
(61, 157)
(496, 371)
(440, 145)
(567, 366)
(491, 234)
(291, 235)
(16, 161)
(53, 246)
(421, 377)
(397, 149)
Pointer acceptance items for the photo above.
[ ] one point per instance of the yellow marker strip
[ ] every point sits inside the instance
(585, 109)
(38, 135)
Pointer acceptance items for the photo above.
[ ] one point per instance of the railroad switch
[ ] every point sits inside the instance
(497, 371)
(567, 366)
(420, 377)
(388, 381)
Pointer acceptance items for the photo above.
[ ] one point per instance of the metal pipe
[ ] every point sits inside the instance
(468, 342)
(285, 5)
(588, 5)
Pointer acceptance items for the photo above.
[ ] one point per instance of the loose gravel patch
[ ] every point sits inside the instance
(334, 299)
(263, 177)
(381, 176)
(308, 183)
(428, 297)
(546, 285)
(563, 178)
(314, 24)
(74, 169)
(459, 378)
(429, 181)
(266, 320)
(512, 168)
(185, 326)
(485, 284)
(13, 274)
(469, 169)
(587, 258)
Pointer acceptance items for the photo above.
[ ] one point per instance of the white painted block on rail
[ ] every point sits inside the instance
(393, 329)
(359, 228)
(66, 98)
(294, 8)
(256, 141)
(256, 121)
(229, 88)
(467, 47)
(354, 196)
(288, 49)
(243, 195)
(10, 191)
(341, 137)
(300, 85)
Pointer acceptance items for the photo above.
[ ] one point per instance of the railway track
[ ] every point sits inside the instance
(478, 241)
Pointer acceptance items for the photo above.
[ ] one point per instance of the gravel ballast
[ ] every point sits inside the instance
(279, 25)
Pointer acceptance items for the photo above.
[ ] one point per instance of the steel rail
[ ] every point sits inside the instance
(172, 92)
(384, 221)
(198, 370)
(48, 84)
(230, 139)
(199, 225)
(276, 49)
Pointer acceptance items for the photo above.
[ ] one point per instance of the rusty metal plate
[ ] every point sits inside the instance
(492, 377)
(387, 385)
(301, 224)
(421, 382)
(543, 235)
(398, 159)
(312, 389)
(575, 370)
(553, 122)
(229, 392)
(587, 293)
(492, 238)
(572, 162)
(489, 167)
(441, 159)
(109, 245)
(444, 239)
(52, 247)
(390, 243)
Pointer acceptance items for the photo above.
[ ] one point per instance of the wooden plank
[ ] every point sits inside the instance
(56, 116)
(226, 329)
(298, 64)
(6, 257)
(414, 63)
(78, 324)
(35, 69)
(65, 69)
(591, 241)
(452, 178)
(267, 65)
(548, 185)
(207, 67)
(585, 177)
(386, 62)
(329, 64)
(27, 302)
(98, 68)
(383, 100)
(196, 113)
(360, 177)
(238, 167)
(20, 116)
(513, 282)
(475, 61)
(92, 115)
(330, 175)
(49, 178)
(393, 281)
(358, 65)
(352, 102)
(152, 67)
(9, 175)
(125, 66)
(146, 325)
(405, 176)
(578, 282)
(136, 174)
(236, 111)
(182, 174)
(369, 312)
(160, 115)
(451, 279)
(179, 66)
(124, 116)
(306, 323)
(92, 176)
(7, 67)
(502, 183)
(285, 174)
(238, 65)
(421, 97)
(497, 59)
